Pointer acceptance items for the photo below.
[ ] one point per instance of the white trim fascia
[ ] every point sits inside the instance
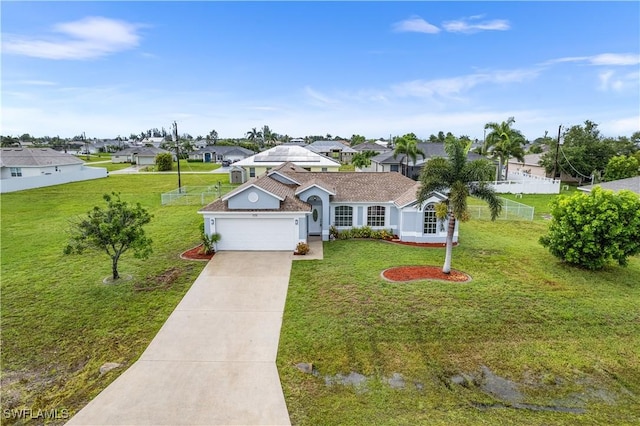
(301, 190)
(253, 185)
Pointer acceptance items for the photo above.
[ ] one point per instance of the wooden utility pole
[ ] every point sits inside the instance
(555, 163)
(175, 138)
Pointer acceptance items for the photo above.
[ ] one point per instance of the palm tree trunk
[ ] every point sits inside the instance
(446, 268)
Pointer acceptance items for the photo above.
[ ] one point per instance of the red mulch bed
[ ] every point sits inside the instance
(411, 273)
(195, 254)
(427, 245)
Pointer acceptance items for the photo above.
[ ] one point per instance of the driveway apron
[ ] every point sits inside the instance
(213, 361)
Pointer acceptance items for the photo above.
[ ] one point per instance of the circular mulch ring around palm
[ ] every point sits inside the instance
(413, 273)
(196, 254)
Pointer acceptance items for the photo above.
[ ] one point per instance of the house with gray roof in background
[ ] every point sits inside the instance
(27, 168)
(630, 184)
(139, 155)
(287, 204)
(386, 162)
(336, 150)
(220, 153)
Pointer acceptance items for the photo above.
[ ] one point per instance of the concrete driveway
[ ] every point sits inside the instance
(213, 361)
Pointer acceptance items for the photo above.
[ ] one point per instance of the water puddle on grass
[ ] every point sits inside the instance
(507, 391)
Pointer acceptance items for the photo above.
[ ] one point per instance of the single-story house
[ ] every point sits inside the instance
(219, 153)
(279, 209)
(337, 150)
(371, 146)
(264, 161)
(385, 162)
(140, 155)
(26, 168)
(631, 184)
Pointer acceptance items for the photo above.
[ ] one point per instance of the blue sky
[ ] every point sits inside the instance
(312, 68)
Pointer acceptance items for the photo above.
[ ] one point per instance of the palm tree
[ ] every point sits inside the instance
(409, 148)
(457, 178)
(255, 135)
(504, 143)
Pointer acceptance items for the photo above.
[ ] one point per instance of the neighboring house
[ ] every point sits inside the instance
(531, 165)
(140, 155)
(386, 162)
(281, 208)
(219, 153)
(155, 141)
(333, 149)
(26, 168)
(264, 161)
(371, 146)
(632, 184)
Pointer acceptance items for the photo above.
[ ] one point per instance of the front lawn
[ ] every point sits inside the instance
(59, 322)
(567, 340)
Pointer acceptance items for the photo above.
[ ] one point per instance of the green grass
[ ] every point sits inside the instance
(59, 322)
(565, 335)
(188, 167)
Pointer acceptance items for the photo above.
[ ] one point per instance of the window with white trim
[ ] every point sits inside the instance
(16, 171)
(343, 216)
(375, 215)
(430, 219)
(252, 172)
(394, 168)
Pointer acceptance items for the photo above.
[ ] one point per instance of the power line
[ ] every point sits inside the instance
(570, 165)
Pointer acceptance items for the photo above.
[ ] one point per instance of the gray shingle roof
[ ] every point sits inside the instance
(142, 151)
(324, 146)
(35, 157)
(631, 184)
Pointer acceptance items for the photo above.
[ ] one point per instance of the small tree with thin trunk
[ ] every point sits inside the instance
(113, 230)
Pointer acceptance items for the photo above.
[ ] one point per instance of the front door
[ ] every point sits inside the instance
(315, 220)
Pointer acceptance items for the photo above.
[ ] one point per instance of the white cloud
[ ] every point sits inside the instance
(317, 97)
(603, 59)
(415, 25)
(88, 38)
(470, 25)
(450, 87)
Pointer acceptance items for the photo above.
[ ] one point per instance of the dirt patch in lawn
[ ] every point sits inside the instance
(412, 273)
(196, 254)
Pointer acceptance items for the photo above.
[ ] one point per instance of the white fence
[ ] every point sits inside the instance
(195, 195)
(30, 182)
(511, 210)
(525, 183)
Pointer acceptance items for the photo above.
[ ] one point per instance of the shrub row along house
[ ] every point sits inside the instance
(287, 204)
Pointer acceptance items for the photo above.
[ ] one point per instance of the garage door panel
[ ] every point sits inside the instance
(256, 234)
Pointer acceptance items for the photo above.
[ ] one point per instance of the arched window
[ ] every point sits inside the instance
(375, 215)
(430, 219)
(343, 216)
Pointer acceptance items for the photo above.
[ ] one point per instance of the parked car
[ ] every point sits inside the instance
(226, 163)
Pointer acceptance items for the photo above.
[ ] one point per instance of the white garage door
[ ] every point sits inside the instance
(256, 234)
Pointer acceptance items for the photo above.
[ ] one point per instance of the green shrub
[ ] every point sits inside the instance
(590, 230)
(164, 162)
(208, 241)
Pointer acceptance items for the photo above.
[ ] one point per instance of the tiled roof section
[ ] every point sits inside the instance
(316, 182)
(361, 186)
(409, 196)
(36, 157)
(290, 202)
(289, 167)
